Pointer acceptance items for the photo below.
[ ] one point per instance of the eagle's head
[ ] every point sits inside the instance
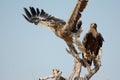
(93, 25)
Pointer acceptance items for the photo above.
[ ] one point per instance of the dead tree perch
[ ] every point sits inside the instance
(78, 62)
(69, 31)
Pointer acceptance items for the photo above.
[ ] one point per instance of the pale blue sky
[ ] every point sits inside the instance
(28, 52)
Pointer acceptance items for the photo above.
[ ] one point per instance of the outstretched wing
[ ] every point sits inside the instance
(76, 14)
(42, 18)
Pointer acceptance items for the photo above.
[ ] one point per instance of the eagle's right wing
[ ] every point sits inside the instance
(42, 18)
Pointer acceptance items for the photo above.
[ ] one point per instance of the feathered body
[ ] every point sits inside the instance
(92, 42)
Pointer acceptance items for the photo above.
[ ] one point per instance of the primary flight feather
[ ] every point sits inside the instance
(63, 29)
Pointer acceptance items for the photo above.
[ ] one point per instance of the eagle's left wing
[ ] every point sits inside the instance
(42, 18)
(76, 14)
(100, 39)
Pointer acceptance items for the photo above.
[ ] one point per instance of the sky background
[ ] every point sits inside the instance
(28, 52)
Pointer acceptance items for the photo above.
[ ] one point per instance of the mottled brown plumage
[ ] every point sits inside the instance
(63, 29)
(92, 42)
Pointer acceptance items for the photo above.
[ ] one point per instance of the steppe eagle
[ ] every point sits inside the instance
(92, 42)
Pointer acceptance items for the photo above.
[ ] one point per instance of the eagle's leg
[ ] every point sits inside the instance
(87, 65)
(87, 61)
(97, 59)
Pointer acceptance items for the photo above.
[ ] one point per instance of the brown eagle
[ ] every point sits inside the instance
(92, 42)
(63, 29)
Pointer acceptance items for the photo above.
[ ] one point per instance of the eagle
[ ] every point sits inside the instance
(92, 42)
(65, 30)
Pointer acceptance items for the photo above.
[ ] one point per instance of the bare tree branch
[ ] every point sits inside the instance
(91, 73)
(96, 68)
(78, 62)
(56, 74)
(76, 70)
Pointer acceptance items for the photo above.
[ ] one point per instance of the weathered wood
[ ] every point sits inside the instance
(78, 62)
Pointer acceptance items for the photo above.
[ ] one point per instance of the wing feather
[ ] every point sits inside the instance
(35, 16)
(100, 39)
(27, 13)
(76, 14)
(27, 18)
(38, 12)
(34, 13)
